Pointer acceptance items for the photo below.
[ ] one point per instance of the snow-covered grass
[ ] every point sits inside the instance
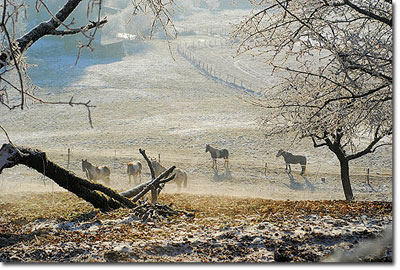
(59, 227)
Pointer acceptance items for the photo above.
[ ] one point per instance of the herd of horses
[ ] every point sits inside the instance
(134, 169)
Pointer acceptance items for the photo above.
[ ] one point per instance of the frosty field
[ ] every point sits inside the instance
(167, 107)
(156, 100)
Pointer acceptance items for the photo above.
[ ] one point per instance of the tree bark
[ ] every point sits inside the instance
(98, 195)
(345, 176)
(154, 193)
(35, 159)
(141, 187)
(91, 192)
(335, 147)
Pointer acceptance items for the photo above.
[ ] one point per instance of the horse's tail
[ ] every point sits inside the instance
(107, 171)
(304, 161)
(185, 180)
(128, 168)
(226, 153)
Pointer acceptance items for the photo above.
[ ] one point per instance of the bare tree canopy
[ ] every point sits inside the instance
(335, 60)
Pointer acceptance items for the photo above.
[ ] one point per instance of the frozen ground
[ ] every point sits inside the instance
(59, 227)
(161, 103)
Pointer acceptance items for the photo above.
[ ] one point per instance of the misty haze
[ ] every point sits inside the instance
(198, 94)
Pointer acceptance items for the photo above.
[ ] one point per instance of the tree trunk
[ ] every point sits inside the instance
(91, 192)
(336, 147)
(140, 190)
(98, 195)
(345, 176)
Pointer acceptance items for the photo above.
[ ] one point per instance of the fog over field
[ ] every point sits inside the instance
(150, 96)
(174, 96)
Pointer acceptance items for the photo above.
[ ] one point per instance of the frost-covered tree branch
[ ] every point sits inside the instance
(13, 48)
(334, 60)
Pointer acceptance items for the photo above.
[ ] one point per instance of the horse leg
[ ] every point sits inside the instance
(179, 184)
(129, 178)
(303, 169)
(226, 163)
(288, 166)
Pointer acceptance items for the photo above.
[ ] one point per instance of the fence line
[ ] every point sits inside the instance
(207, 31)
(259, 165)
(185, 51)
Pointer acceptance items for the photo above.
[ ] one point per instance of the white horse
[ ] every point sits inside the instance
(180, 175)
(96, 173)
(134, 170)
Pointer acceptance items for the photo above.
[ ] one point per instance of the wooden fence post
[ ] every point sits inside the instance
(69, 157)
(265, 169)
(369, 184)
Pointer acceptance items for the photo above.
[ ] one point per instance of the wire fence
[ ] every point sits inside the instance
(262, 166)
(185, 49)
(219, 32)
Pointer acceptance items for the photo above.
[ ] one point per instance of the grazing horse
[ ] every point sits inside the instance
(134, 170)
(216, 153)
(293, 159)
(180, 175)
(96, 173)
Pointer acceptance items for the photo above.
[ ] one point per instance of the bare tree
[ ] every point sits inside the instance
(335, 60)
(16, 88)
(13, 48)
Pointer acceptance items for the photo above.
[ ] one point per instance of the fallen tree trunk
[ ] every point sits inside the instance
(154, 184)
(139, 188)
(98, 195)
